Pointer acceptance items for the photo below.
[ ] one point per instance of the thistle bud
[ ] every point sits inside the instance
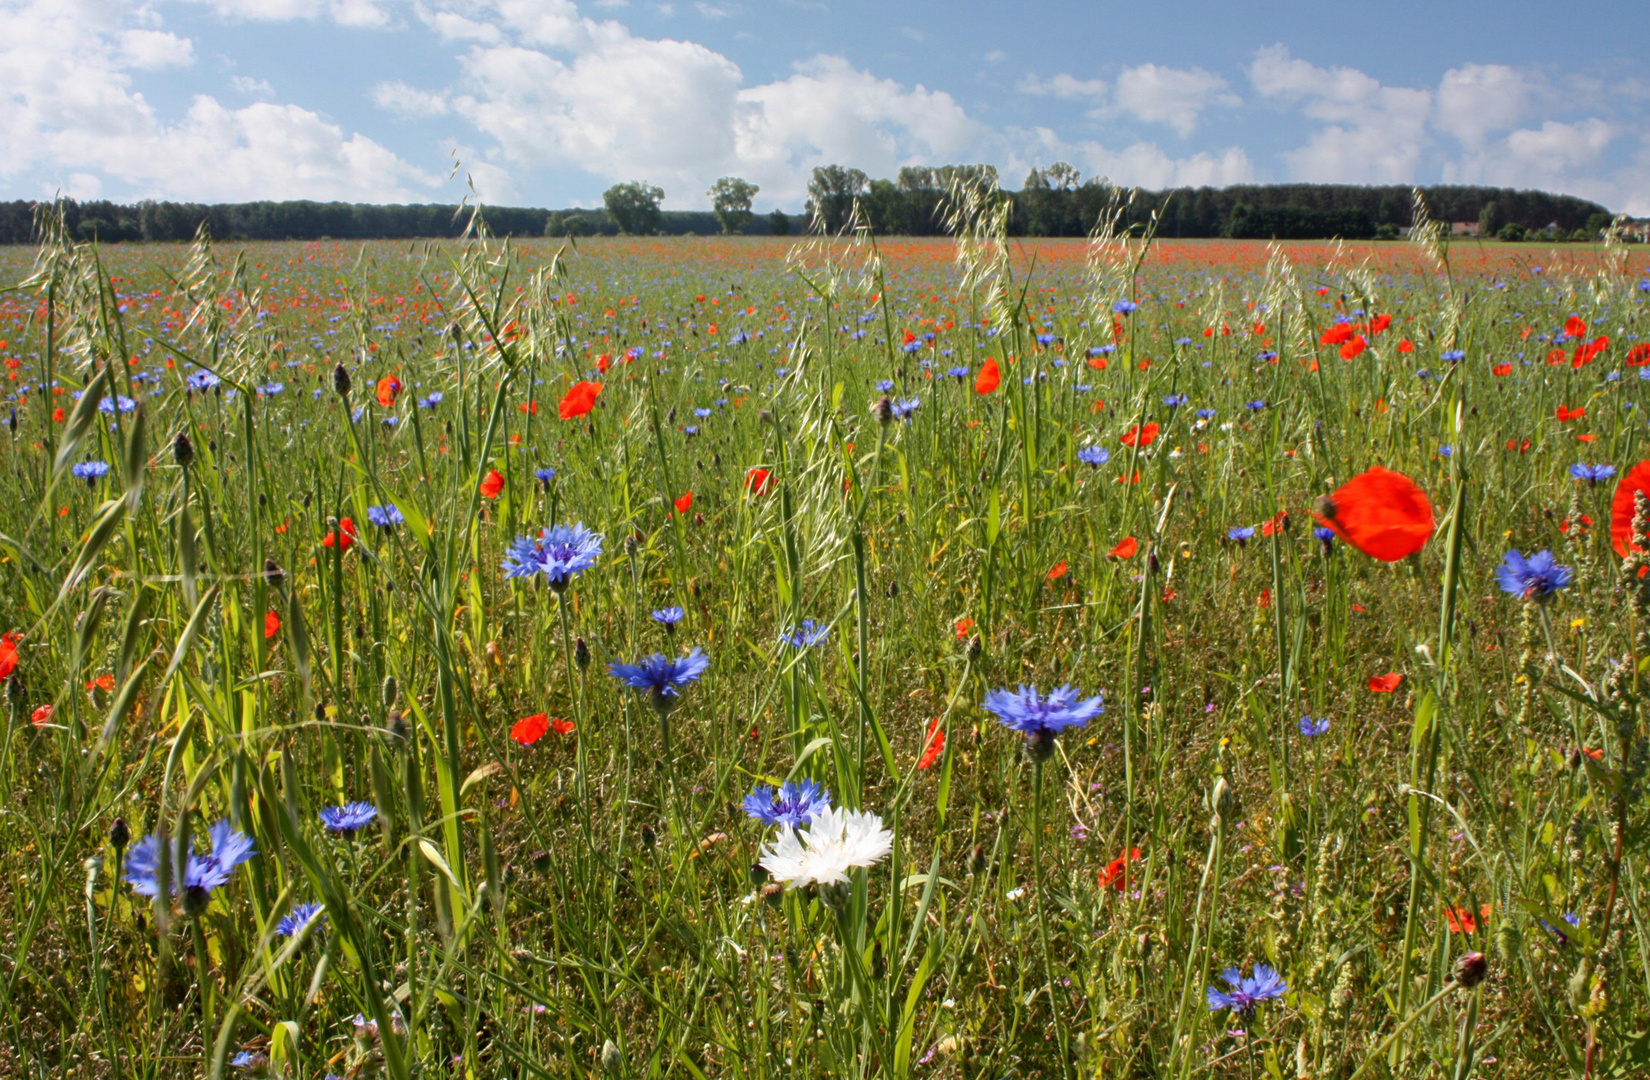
(883, 410)
(183, 451)
(119, 834)
(1470, 969)
(341, 381)
(581, 653)
(273, 574)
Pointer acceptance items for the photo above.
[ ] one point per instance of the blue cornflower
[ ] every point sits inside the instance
(1325, 535)
(1445, 450)
(230, 848)
(884, 385)
(246, 1059)
(387, 516)
(1175, 399)
(1045, 339)
(1254, 406)
(1041, 719)
(690, 430)
(1592, 473)
(90, 470)
(348, 818)
(1101, 350)
(1094, 455)
(1241, 533)
(791, 806)
(669, 617)
(201, 380)
(1204, 414)
(1182, 341)
(904, 407)
(1452, 355)
(662, 676)
(544, 476)
(961, 372)
(807, 634)
(1247, 991)
(299, 917)
(430, 402)
(560, 554)
(701, 413)
(1644, 285)
(120, 403)
(1313, 728)
(1123, 307)
(271, 389)
(1533, 578)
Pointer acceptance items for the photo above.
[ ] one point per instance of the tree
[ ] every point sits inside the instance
(886, 207)
(1489, 219)
(634, 207)
(779, 224)
(731, 198)
(832, 192)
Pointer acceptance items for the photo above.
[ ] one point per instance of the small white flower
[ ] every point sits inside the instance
(835, 842)
(1015, 893)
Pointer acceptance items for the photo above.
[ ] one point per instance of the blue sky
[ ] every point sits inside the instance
(547, 102)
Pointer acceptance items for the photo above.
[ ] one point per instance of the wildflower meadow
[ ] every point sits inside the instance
(834, 656)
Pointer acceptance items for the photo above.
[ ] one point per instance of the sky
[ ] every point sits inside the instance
(549, 102)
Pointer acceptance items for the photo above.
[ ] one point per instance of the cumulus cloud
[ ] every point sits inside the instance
(1064, 86)
(358, 13)
(1173, 96)
(1140, 164)
(68, 112)
(1476, 99)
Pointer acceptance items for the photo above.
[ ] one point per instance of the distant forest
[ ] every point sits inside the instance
(1052, 203)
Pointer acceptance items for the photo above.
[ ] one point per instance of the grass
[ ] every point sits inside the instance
(591, 902)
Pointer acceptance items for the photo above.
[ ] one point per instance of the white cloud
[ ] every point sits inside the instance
(1172, 96)
(399, 97)
(1370, 133)
(1141, 164)
(1476, 99)
(1064, 86)
(358, 13)
(68, 109)
(713, 11)
(149, 50)
(243, 84)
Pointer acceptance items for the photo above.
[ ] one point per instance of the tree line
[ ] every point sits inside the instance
(1053, 201)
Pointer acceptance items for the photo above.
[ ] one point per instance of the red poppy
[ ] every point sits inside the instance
(1277, 523)
(1352, 348)
(388, 387)
(684, 503)
(1639, 355)
(1636, 480)
(560, 726)
(1565, 415)
(492, 484)
(1116, 873)
(1058, 570)
(42, 716)
(1381, 513)
(989, 377)
(1126, 548)
(1339, 334)
(1380, 322)
(1384, 684)
(530, 729)
(342, 537)
(1462, 921)
(1574, 327)
(580, 399)
(102, 682)
(1502, 369)
(1405, 345)
(272, 625)
(529, 407)
(758, 481)
(933, 745)
(8, 654)
(603, 362)
(964, 627)
(1144, 435)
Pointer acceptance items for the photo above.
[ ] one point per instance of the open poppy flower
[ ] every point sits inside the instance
(1126, 548)
(272, 625)
(1382, 513)
(388, 387)
(492, 484)
(758, 481)
(964, 627)
(530, 729)
(341, 537)
(1057, 571)
(42, 715)
(1144, 435)
(1621, 506)
(1565, 414)
(989, 377)
(580, 399)
(1574, 327)
(1116, 873)
(933, 744)
(684, 503)
(1339, 334)
(1352, 348)
(1384, 684)
(560, 726)
(1639, 355)
(8, 654)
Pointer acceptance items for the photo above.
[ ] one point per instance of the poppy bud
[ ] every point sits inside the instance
(883, 410)
(1471, 969)
(272, 573)
(389, 691)
(341, 381)
(183, 451)
(612, 1058)
(320, 713)
(581, 653)
(893, 590)
(1323, 506)
(119, 834)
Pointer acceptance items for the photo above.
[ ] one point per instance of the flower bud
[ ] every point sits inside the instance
(883, 410)
(183, 451)
(1470, 969)
(341, 381)
(389, 691)
(612, 1058)
(272, 573)
(581, 653)
(119, 834)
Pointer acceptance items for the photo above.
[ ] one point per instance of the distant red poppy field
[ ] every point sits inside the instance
(903, 658)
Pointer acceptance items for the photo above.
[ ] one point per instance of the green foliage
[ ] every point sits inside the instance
(731, 200)
(634, 207)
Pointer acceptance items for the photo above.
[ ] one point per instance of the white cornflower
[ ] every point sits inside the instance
(835, 842)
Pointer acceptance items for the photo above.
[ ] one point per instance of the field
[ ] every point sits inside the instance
(322, 758)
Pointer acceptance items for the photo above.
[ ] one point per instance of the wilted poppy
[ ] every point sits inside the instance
(1381, 513)
(989, 377)
(492, 484)
(1143, 434)
(1636, 480)
(1126, 548)
(933, 745)
(580, 399)
(530, 729)
(1384, 684)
